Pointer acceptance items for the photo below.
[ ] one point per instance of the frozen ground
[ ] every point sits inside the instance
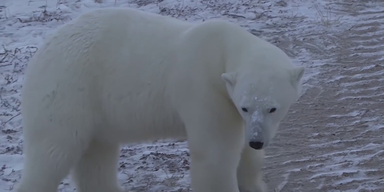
(332, 139)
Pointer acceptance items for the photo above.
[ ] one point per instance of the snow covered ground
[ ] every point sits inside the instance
(332, 139)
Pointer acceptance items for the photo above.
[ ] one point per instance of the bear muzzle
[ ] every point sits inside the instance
(256, 145)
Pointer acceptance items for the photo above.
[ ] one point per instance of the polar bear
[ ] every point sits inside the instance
(119, 75)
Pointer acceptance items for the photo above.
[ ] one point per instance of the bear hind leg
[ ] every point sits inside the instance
(47, 162)
(97, 169)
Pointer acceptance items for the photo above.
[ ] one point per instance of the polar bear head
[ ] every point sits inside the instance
(263, 96)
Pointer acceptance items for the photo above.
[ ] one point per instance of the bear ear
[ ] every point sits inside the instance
(296, 75)
(229, 78)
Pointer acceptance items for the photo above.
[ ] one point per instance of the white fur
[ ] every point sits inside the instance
(116, 76)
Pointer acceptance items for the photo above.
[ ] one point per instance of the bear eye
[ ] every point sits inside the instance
(244, 109)
(272, 110)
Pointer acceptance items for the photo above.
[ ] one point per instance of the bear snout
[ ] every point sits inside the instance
(256, 145)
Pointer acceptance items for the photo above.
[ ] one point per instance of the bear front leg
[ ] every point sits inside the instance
(249, 173)
(212, 173)
(215, 147)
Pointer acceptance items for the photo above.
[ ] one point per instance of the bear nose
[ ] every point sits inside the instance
(256, 145)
